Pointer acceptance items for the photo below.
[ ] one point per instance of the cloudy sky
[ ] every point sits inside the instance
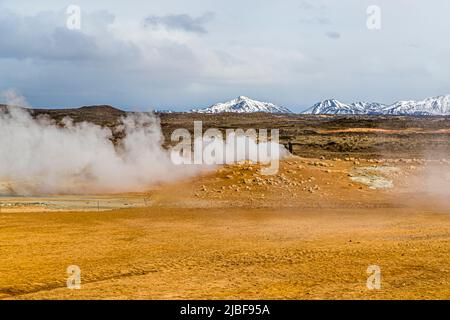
(179, 54)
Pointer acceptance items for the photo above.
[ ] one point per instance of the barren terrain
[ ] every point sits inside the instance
(309, 232)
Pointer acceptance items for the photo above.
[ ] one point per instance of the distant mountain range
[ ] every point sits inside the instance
(439, 105)
(243, 105)
(431, 106)
(333, 106)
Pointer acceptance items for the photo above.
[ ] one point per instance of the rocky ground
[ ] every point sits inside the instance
(308, 232)
(359, 191)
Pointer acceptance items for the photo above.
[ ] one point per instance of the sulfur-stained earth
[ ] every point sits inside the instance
(309, 232)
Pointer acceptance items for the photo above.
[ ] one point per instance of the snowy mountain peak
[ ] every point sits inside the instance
(333, 106)
(243, 104)
(431, 106)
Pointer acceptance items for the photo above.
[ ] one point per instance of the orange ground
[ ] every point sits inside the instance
(307, 233)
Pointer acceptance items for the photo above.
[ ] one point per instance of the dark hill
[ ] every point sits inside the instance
(102, 115)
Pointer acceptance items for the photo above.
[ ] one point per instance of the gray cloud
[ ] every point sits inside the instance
(413, 45)
(182, 22)
(333, 35)
(45, 37)
(93, 65)
(316, 14)
(306, 5)
(264, 52)
(317, 20)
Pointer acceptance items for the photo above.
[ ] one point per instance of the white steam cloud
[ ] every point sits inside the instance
(14, 98)
(40, 156)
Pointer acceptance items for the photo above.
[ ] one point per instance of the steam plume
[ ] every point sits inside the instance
(39, 156)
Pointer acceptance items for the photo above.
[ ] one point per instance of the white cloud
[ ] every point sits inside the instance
(182, 22)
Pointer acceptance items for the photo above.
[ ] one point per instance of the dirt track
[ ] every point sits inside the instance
(307, 233)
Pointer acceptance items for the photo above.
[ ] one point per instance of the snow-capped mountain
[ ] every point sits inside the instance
(333, 106)
(431, 106)
(243, 105)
